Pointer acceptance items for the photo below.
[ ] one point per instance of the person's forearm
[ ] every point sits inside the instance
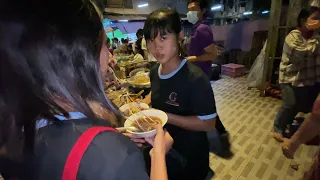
(308, 130)
(147, 99)
(192, 123)
(206, 57)
(210, 54)
(158, 167)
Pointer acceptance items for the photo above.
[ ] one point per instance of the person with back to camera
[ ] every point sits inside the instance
(202, 52)
(52, 62)
(174, 90)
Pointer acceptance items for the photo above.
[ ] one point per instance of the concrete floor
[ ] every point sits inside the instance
(249, 120)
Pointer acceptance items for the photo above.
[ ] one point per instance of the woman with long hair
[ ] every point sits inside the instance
(53, 60)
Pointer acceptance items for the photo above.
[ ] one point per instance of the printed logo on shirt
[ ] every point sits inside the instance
(172, 99)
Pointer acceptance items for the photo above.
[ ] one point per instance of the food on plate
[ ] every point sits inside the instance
(131, 111)
(146, 123)
(114, 94)
(141, 80)
(117, 97)
(132, 108)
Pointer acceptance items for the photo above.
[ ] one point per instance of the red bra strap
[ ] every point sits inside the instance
(74, 158)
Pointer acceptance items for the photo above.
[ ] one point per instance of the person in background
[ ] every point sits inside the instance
(175, 85)
(141, 42)
(115, 43)
(110, 77)
(123, 47)
(108, 43)
(298, 71)
(309, 129)
(56, 64)
(138, 52)
(202, 52)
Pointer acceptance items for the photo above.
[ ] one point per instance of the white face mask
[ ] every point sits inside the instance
(192, 17)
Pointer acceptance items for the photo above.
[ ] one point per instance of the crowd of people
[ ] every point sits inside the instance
(55, 66)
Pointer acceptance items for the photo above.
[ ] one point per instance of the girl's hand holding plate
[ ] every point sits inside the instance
(139, 141)
(162, 142)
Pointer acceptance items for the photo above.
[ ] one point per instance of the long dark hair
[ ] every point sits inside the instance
(49, 50)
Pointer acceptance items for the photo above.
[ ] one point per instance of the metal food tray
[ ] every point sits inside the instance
(133, 63)
(136, 71)
(135, 85)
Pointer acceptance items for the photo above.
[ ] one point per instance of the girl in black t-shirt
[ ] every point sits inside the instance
(184, 92)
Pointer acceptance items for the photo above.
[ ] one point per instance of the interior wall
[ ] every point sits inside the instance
(129, 27)
(240, 35)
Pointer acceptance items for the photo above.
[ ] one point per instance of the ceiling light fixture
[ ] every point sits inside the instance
(265, 12)
(123, 20)
(216, 7)
(247, 13)
(143, 5)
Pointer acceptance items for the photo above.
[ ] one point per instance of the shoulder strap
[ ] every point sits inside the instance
(74, 158)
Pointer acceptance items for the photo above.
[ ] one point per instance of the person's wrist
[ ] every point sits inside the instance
(294, 145)
(169, 117)
(157, 153)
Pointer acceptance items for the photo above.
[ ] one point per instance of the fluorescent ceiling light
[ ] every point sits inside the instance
(265, 12)
(247, 13)
(216, 7)
(123, 20)
(143, 5)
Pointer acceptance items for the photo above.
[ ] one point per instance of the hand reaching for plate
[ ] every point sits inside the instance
(139, 141)
(161, 143)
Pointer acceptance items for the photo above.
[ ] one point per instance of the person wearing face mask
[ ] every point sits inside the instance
(299, 69)
(202, 52)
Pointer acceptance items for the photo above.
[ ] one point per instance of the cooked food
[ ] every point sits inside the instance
(141, 80)
(119, 102)
(133, 110)
(145, 124)
(116, 97)
(114, 94)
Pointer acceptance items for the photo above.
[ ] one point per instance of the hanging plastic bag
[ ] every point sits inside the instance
(255, 76)
(315, 3)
